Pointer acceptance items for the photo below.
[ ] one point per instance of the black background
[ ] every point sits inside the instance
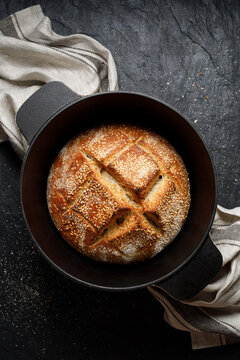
(185, 53)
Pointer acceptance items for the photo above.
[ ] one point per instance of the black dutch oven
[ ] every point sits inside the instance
(52, 116)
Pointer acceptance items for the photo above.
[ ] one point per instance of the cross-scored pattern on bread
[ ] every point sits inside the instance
(118, 193)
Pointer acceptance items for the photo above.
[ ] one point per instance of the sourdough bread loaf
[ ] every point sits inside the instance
(118, 193)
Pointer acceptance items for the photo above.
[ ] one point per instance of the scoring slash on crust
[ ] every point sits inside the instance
(118, 193)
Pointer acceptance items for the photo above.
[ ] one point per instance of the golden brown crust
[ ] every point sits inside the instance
(143, 169)
(118, 193)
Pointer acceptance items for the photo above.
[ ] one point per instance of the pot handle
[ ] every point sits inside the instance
(195, 274)
(40, 107)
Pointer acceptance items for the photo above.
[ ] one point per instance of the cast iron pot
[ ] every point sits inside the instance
(52, 116)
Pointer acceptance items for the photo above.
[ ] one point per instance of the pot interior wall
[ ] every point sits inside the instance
(126, 108)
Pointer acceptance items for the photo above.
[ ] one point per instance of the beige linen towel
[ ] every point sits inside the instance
(31, 54)
(212, 317)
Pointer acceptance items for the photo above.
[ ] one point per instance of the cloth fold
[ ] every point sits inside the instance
(32, 54)
(212, 317)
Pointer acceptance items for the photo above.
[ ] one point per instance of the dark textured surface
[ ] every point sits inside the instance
(186, 53)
